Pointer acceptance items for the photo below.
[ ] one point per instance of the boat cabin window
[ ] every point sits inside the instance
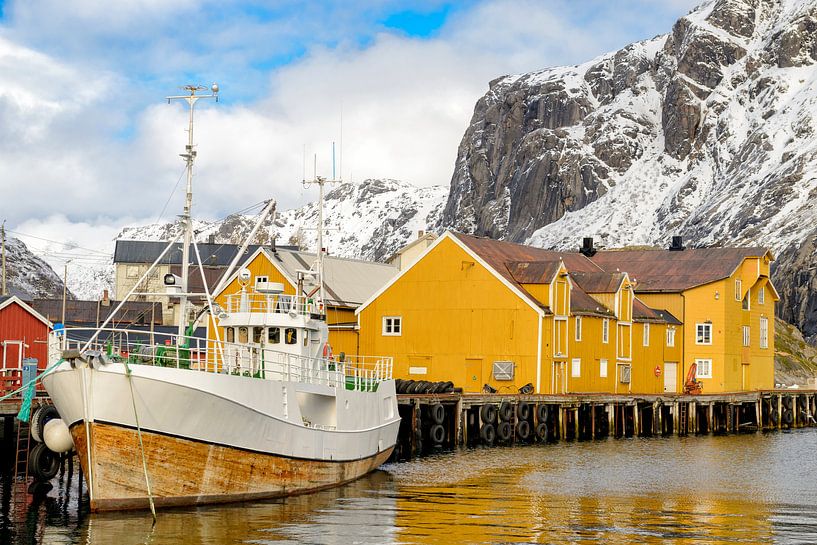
(290, 335)
(274, 335)
(306, 337)
(242, 334)
(257, 333)
(230, 334)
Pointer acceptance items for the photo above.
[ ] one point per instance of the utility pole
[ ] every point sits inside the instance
(3, 245)
(64, 289)
(189, 156)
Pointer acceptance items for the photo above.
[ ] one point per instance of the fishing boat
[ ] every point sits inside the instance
(259, 407)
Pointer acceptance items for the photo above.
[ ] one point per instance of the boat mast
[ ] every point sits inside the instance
(189, 156)
(320, 181)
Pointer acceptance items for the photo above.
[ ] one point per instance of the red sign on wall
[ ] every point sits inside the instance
(657, 370)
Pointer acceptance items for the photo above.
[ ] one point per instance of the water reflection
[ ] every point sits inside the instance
(736, 489)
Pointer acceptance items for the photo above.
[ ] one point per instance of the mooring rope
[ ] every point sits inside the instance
(141, 445)
(28, 396)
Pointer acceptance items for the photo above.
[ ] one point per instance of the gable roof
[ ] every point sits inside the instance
(533, 272)
(146, 252)
(348, 282)
(659, 270)
(7, 300)
(599, 282)
(85, 312)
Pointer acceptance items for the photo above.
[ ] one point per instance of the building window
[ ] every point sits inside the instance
(230, 335)
(260, 279)
(257, 333)
(603, 368)
(290, 335)
(746, 303)
(274, 335)
(746, 338)
(738, 290)
(704, 369)
(605, 330)
(578, 328)
(764, 333)
(646, 334)
(132, 271)
(576, 368)
(392, 326)
(703, 333)
(761, 295)
(243, 335)
(671, 336)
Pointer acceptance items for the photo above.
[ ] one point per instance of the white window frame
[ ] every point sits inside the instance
(389, 323)
(578, 329)
(761, 295)
(700, 362)
(603, 368)
(670, 337)
(706, 327)
(605, 330)
(738, 290)
(576, 368)
(646, 336)
(747, 336)
(259, 279)
(764, 332)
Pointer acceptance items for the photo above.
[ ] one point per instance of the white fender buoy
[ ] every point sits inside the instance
(56, 436)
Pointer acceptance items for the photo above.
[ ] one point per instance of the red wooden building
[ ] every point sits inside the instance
(23, 334)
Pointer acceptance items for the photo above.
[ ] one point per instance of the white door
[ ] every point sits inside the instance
(671, 377)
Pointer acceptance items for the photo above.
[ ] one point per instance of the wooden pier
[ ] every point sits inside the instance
(438, 421)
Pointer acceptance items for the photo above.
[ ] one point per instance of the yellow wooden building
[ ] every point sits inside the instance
(347, 283)
(480, 312)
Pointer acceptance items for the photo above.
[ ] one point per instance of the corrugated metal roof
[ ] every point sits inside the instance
(146, 252)
(666, 271)
(85, 312)
(533, 272)
(348, 282)
(598, 282)
(498, 255)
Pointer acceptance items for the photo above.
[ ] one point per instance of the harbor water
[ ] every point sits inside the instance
(753, 488)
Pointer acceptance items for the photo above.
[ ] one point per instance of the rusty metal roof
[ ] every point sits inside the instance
(667, 271)
(598, 282)
(528, 265)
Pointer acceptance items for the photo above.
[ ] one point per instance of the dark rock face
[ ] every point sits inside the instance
(705, 132)
(28, 276)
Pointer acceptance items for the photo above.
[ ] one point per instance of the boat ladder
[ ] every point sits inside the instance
(683, 419)
(23, 447)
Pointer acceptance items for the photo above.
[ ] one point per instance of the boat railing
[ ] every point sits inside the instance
(139, 347)
(271, 303)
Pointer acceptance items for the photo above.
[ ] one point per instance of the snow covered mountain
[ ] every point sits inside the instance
(707, 132)
(28, 276)
(369, 220)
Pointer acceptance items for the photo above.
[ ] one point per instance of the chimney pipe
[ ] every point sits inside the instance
(420, 233)
(587, 249)
(677, 244)
(106, 298)
(211, 238)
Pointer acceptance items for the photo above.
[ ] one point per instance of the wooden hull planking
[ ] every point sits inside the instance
(188, 472)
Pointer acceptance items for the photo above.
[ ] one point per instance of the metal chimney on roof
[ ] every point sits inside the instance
(587, 247)
(677, 244)
(211, 239)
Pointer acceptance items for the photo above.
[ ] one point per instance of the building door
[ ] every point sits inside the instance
(559, 377)
(670, 377)
(473, 374)
(12, 354)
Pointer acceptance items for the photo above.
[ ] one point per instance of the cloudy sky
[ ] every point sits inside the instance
(88, 145)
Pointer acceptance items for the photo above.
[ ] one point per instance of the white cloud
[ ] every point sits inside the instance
(405, 102)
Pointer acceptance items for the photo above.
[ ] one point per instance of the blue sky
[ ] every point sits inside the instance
(82, 115)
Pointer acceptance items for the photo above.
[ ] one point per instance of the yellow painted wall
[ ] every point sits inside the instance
(647, 358)
(457, 319)
(671, 302)
(590, 351)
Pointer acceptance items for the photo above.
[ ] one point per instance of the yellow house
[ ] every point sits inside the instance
(725, 300)
(347, 283)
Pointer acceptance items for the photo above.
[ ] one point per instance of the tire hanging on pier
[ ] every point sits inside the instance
(788, 417)
(42, 463)
(541, 431)
(41, 416)
(487, 413)
(437, 434)
(523, 430)
(523, 411)
(437, 412)
(541, 413)
(488, 434)
(504, 431)
(505, 411)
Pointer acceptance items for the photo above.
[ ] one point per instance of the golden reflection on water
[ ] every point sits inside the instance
(700, 490)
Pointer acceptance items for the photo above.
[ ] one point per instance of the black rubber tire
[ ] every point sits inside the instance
(42, 463)
(523, 430)
(773, 417)
(787, 402)
(802, 402)
(437, 434)
(38, 420)
(503, 431)
(788, 417)
(437, 412)
(488, 434)
(541, 431)
(505, 411)
(448, 387)
(487, 413)
(523, 411)
(542, 413)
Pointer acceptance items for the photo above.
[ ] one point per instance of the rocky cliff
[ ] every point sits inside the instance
(707, 132)
(28, 276)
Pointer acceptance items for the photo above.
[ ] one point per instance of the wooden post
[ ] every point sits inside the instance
(460, 424)
(759, 413)
(779, 411)
(415, 421)
(592, 421)
(611, 419)
(576, 423)
(561, 422)
(658, 420)
(636, 420)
